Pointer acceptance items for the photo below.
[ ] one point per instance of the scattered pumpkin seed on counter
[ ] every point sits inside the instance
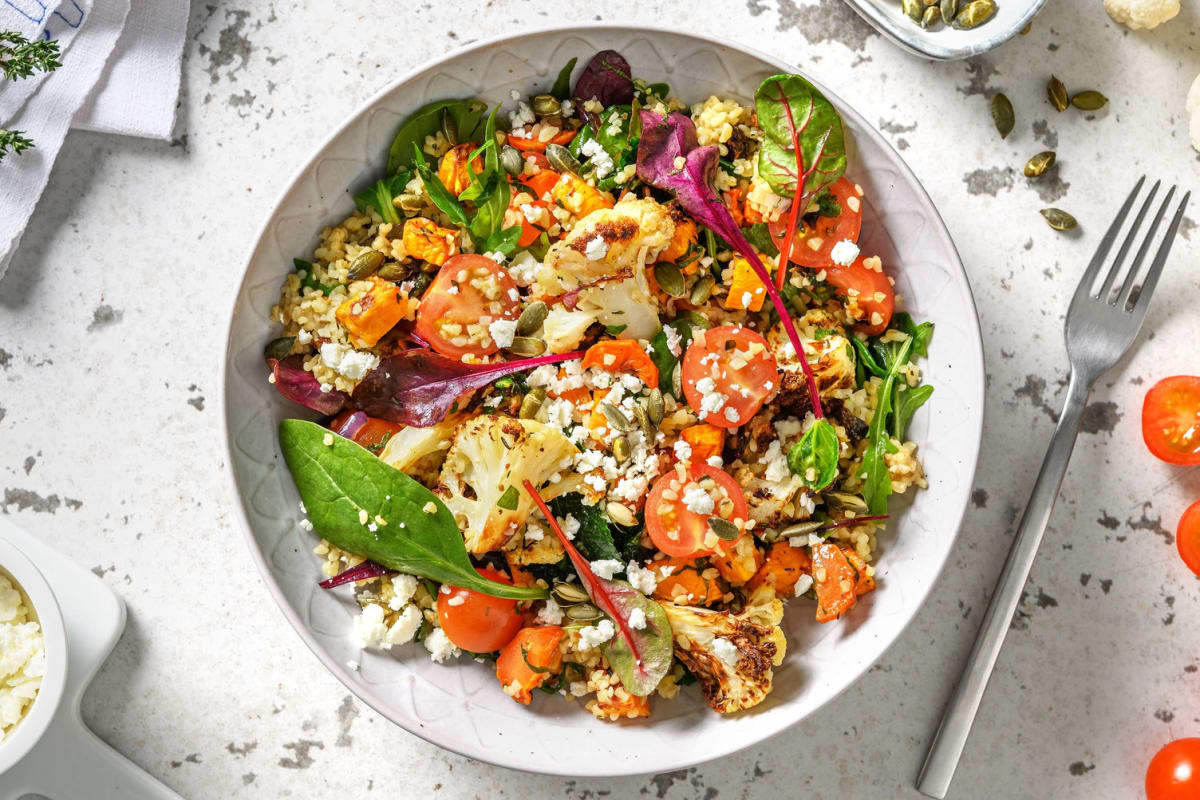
(1089, 100)
(1002, 114)
(1058, 94)
(1037, 165)
(1058, 219)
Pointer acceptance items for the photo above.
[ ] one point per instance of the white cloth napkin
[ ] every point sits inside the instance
(119, 74)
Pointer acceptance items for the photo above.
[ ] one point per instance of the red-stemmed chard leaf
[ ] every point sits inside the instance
(669, 158)
(639, 657)
(418, 387)
(359, 572)
(299, 386)
(606, 78)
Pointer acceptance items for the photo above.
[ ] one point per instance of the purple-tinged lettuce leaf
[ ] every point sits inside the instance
(665, 141)
(606, 78)
(299, 386)
(418, 387)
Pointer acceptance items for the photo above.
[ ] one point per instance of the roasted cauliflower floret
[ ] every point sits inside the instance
(626, 302)
(831, 359)
(420, 451)
(490, 455)
(731, 655)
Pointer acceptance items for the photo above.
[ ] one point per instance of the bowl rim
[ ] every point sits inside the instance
(920, 42)
(339, 670)
(29, 580)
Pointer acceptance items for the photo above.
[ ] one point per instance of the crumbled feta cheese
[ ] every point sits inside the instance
(368, 628)
(570, 526)
(22, 657)
(596, 249)
(551, 613)
(595, 635)
(403, 588)
(731, 414)
(430, 507)
(683, 450)
(803, 584)
(352, 665)
(698, 501)
(439, 645)
(522, 116)
(641, 578)
(726, 651)
(777, 466)
(674, 340)
(844, 252)
(503, 331)
(637, 619)
(306, 525)
(715, 461)
(607, 567)
(348, 362)
(599, 158)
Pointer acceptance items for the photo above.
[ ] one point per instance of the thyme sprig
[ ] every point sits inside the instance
(19, 59)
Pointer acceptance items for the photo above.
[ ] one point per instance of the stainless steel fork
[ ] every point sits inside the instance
(1101, 324)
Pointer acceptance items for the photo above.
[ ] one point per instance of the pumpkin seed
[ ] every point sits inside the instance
(621, 449)
(393, 232)
(526, 346)
(677, 381)
(393, 272)
(643, 420)
(545, 105)
(801, 528)
(949, 10)
(365, 265)
(569, 594)
(616, 418)
(1002, 109)
(420, 283)
(532, 403)
(702, 290)
(583, 612)
(669, 278)
(931, 16)
(279, 348)
(974, 14)
(620, 514)
(1089, 100)
(929, 2)
(1039, 164)
(561, 160)
(411, 202)
(1028, 27)
(1058, 219)
(698, 320)
(725, 530)
(654, 406)
(913, 8)
(449, 127)
(532, 318)
(1058, 94)
(511, 160)
(850, 502)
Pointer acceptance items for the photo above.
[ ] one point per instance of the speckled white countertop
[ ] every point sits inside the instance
(112, 325)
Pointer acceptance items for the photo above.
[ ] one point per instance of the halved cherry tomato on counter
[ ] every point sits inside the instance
(1174, 772)
(1187, 537)
(622, 355)
(812, 247)
(1171, 419)
(731, 364)
(875, 293)
(517, 140)
(528, 660)
(373, 432)
(675, 528)
(478, 623)
(469, 292)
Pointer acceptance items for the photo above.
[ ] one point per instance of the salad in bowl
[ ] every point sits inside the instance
(606, 383)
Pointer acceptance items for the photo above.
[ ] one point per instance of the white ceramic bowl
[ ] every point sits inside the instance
(944, 43)
(22, 572)
(460, 706)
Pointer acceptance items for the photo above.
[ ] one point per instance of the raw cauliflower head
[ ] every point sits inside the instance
(489, 455)
(1137, 14)
(731, 655)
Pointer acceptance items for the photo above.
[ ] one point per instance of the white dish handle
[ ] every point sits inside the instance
(71, 762)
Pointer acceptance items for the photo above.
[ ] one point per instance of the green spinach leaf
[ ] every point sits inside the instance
(562, 84)
(818, 129)
(817, 451)
(496, 194)
(662, 356)
(340, 481)
(503, 241)
(759, 237)
(877, 482)
(427, 121)
(437, 191)
(309, 281)
(906, 402)
(594, 539)
(381, 194)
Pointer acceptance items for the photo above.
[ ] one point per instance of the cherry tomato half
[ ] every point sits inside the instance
(875, 294)
(475, 622)
(1171, 419)
(734, 365)
(1174, 772)
(455, 303)
(677, 530)
(1187, 537)
(812, 247)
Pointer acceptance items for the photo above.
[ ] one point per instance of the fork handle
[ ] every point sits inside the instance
(952, 733)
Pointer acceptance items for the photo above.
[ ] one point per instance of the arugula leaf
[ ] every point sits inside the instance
(906, 403)
(662, 356)
(496, 194)
(866, 358)
(437, 191)
(340, 480)
(308, 281)
(503, 241)
(594, 539)
(427, 121)
(921, 334)
(877, 482)
(381, 194)
(817, 450)
(759, 237)
(562, 84)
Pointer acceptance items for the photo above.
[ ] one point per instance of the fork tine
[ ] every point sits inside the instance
(1131, 277)
(1160, 259)
(1134, 229)
(1093, 269)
